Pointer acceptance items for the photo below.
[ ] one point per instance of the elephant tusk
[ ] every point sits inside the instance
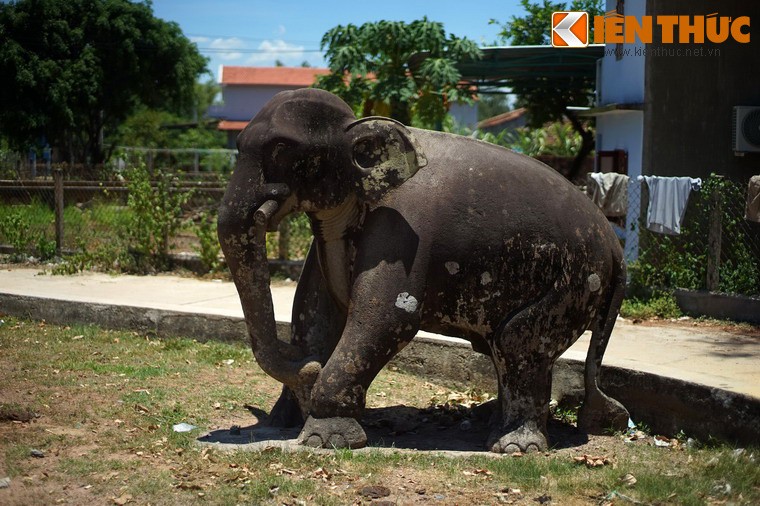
(264, 213)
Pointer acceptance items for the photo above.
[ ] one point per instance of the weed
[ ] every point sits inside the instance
(15, 227)
(658, 306)
(209, 248)
(46, 248)
(157, 214)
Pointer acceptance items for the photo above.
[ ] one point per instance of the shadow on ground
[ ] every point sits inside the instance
(399, 427)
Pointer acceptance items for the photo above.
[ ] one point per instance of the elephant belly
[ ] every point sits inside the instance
(475, 299)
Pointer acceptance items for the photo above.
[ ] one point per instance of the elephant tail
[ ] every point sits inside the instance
(600, 412)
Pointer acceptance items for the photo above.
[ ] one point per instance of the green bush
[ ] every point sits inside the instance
(659, 305)
(156, 214)
(46, 248)
(209, 248)
(15, 226)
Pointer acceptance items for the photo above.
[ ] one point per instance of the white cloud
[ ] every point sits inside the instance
(281, 30)
(271, 50)
(230, 44)
(198, 39)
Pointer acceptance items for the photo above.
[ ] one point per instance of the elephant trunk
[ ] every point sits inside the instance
(243, 241)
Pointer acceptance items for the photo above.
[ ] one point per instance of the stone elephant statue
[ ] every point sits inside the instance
(416, 229)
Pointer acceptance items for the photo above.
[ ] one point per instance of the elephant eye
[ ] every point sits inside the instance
(278, 152)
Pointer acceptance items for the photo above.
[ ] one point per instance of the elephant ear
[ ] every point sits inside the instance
(384, 154)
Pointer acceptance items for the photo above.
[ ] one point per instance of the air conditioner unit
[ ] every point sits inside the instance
(746, 129)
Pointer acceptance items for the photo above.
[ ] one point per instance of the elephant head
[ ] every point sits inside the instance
(304, 151)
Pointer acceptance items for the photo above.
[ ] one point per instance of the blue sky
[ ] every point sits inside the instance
(256, 32)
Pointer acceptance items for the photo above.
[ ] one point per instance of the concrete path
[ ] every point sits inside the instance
(693, 353)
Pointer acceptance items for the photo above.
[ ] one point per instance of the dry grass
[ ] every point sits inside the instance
(100, 405)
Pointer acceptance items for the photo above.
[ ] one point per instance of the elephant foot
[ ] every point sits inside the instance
(601, 413)
(337, 432)
(526, 438)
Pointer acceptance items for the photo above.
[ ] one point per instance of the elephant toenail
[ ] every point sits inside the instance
(314, 441)
(338, 441)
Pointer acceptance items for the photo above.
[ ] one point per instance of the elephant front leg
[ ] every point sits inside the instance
(373, 335)
(317, 323)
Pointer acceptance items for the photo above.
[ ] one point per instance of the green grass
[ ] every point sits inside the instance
(661, 306)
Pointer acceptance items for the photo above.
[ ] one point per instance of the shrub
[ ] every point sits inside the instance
(157, 214)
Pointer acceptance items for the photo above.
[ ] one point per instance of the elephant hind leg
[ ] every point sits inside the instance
(600, 412)
(523, 353)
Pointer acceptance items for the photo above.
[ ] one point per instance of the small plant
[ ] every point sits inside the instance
(157, 213)
(15, 228)
(659, 305)
(209, 248)
(106, 257)
(46, 248)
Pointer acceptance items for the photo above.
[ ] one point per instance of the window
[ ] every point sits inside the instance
(612, 161)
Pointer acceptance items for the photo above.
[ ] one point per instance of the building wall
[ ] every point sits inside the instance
(622, 81)
(622, 130)
(690, 99)
(242, 103)
(465, 115)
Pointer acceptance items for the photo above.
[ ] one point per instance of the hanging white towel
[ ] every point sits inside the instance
(609, 191)
(668, 197)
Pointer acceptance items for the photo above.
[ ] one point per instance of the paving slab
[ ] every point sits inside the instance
(698, 379)
(697, 354)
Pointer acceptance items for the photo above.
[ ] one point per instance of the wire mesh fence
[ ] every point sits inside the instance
(717, 249)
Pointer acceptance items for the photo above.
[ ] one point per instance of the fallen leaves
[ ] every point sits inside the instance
(628, 480)
(478, 472)
(591, 461)
(122, 500)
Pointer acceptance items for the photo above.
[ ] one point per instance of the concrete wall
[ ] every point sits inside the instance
(690, 99)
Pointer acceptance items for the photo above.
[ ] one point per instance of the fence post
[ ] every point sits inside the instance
(58, 184)
(714, 239)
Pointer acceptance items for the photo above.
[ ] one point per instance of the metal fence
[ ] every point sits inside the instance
(61, 214)
(717, 248)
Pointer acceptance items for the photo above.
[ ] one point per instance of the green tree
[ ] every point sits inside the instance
(547, 98)
(397, 69)
(71, 70)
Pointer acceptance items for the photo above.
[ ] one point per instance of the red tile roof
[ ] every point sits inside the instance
(502, 118)
(272, 76)
(231, 125)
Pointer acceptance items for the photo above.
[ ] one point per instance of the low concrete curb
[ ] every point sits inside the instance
(667, 405)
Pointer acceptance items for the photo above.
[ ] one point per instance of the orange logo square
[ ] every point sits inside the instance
(570, 29)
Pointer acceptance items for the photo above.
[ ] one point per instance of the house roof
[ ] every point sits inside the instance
(502, 118)
(270, 76)
(231, 125)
